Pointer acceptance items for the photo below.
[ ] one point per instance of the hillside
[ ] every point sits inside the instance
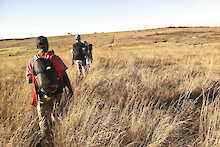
(145, 88)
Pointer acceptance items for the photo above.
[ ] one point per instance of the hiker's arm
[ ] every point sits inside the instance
(90, 51)
(67, 82)
(73, 60)
(30, 81)
(29, 71)
(91, 57)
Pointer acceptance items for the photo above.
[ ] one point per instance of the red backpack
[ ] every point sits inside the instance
(58, 64)
(59, 67)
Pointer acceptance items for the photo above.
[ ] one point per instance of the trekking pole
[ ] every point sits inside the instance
(66, 97)
(65, 101)
(65, 94)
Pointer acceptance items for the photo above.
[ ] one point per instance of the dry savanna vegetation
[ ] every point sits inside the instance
(156, 88)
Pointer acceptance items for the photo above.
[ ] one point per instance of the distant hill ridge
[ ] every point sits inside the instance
(170, 27)
(16, 39)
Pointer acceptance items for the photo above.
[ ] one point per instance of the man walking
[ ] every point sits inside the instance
(88, 52)
(79, 54)
(48, 74)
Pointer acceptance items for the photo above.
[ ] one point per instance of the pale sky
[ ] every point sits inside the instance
(31, 18)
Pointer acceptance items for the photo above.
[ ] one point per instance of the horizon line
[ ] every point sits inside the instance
(30, 37)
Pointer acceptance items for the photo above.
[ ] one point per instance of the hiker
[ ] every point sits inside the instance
(48, 74)
(88, 52)
(78, 52)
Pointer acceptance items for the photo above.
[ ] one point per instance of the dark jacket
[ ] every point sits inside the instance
(78, 53)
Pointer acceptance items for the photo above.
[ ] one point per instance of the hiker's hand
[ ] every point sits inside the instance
(30, 81)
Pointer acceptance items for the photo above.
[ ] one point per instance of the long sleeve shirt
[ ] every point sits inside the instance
(29, 68)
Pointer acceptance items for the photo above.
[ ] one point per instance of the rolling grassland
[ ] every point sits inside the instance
(145, 88)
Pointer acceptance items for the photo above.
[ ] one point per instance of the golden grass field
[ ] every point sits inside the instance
(156, 88)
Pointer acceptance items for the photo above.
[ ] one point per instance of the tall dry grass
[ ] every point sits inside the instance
(134, 102)
(139, 94)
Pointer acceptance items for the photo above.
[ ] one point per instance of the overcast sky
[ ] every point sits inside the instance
(30, 18)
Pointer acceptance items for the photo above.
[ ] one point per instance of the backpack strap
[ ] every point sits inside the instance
(36, 57)
(47, 55)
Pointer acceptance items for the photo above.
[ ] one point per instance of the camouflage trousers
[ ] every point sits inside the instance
(47, 113)
(81, 67)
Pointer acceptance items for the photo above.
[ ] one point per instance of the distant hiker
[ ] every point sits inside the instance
(88, 52)
(48, 74)
(79, 54)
